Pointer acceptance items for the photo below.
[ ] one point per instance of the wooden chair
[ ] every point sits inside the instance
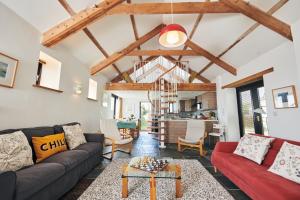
(195, 135)
(114, 139)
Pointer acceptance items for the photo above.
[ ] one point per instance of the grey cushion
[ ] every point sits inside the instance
(91, 147)
(69, 159)
(32, 179)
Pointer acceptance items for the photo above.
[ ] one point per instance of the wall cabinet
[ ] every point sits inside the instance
(208, 100)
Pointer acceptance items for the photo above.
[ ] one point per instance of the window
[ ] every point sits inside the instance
(171, 107)
(48, 73)
(92, 89)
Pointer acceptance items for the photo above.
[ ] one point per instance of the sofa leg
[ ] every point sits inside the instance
(215, 169)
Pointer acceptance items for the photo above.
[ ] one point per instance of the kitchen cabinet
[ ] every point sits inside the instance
(209, 101)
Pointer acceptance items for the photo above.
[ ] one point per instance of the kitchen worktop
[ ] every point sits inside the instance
(177, 128)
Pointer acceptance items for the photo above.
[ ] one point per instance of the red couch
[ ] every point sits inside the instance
(254, 179)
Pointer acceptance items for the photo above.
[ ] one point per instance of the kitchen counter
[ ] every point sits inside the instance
(177, 128)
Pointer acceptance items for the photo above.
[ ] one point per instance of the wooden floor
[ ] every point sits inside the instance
(145, 145)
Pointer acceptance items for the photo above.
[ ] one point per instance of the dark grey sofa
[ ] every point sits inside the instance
(53, 177)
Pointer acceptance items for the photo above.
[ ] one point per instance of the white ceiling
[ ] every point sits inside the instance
(215, 32)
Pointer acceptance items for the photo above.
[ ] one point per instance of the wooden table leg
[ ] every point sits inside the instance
(124, 184)
(178, 182)
(152, 188)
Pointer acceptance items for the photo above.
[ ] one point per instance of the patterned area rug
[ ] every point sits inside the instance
(197, 184)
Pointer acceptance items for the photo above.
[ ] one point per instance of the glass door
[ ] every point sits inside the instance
(252, 108)
(145, 112)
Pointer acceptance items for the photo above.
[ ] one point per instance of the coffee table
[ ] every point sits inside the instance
(171, 171)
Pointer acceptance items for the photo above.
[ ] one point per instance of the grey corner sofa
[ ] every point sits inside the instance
(54, 176)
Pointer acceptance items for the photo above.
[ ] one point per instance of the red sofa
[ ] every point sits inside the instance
(254, 179)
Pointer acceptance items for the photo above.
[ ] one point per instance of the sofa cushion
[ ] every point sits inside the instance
(287, 162)
(253, 147)
(69, 159)
(49, 145)
(32, 179)
(91, 147)
(59, 128)
(264, 183)
(74, 136)
(273, 151)
(15, 152)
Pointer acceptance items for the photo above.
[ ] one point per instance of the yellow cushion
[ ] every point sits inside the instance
(49, 145)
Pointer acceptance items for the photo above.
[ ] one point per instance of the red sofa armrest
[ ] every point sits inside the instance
(226, 147)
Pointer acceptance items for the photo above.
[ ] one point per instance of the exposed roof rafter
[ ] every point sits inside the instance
(211, 57)
(118, 55)
(201, 78)
(165, 8)
(276, 7)
(261, 17)
(68, 8)
(131, 70)
(77, 22)
(160, 52)
(148, 86)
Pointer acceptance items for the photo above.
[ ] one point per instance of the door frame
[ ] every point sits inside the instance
(255, 102)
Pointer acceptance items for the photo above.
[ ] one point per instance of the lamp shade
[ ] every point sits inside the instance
(173, 35)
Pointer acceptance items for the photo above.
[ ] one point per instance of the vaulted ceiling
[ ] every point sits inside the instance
(215, 32)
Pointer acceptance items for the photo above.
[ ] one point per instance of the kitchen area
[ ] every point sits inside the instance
(192, 106)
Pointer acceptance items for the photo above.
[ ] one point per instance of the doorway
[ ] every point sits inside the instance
(145, 115)
(252, 108)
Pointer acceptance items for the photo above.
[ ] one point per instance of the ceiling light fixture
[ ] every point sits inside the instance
(173, 35)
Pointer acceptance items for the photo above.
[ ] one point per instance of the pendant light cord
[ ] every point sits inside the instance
(172, 11)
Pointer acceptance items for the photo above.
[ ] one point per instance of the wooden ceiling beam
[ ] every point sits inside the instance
(261, 17)
(211, 57)
(165, 8)
(77, 22)
(89, 34)
(198, 20)
(148, 86)
(131, 70)
(249, 79)
(201, 78)
(148, 72)
(178, 78)
(159, 52)
(135, 32)
(68, 8)
(275, 8)
(118, 55)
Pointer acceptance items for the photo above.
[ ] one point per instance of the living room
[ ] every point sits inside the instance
(195, 100)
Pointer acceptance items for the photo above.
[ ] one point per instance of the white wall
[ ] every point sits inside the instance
(26, 106)
(283, 123)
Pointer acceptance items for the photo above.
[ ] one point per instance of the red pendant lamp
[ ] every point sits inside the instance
(173, 35)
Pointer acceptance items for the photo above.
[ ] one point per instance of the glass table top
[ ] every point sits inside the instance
(171, 171)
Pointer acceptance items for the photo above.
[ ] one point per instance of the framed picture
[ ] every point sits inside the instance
(8, 69)
(285, 97)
